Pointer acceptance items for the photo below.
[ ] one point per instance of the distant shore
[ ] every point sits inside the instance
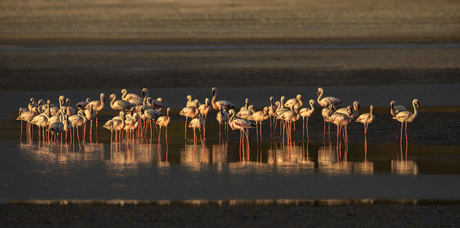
(207, 21)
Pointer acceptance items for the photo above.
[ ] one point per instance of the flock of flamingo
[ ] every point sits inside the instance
(140, 114)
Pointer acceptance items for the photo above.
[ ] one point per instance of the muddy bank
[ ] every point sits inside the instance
(47, 70)
(230, 216)
(210, 21)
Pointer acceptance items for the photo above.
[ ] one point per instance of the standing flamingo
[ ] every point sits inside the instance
(222, 118)
(288, 117)
(27, 116)
(192, 103)
(355, 110)
(395, 109)
(306, 113)
(197, 122)
(32, 104)
(164, 121)
(131, 123)
(82, 104)
(119, 104)
(216, 104)
(323, 101)
(115, 124)
(70, 110)
(340, 120)
(366, 119)
(259, 117)
(90, 115)
(98, 105)
(298, 100)
(56, 128)
(158, 104)
(150, 116)
(78, 121)
(407, 117)
(204, 109)
(128, 96)
(242, 125)
(188, 112)
(326, 113)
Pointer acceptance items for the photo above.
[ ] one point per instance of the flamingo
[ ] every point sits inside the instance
(195, 103)
(216, 104)
(326, 113)
(323, 101)
(158, 104)
(204, 109)
(272, 112)
(407, 117)
(395, 109)
(355, 110)
(115, 124)
(90, 115)
(306, 113)
(298, 100)
(41, 121)
(289, 116)
(197, 122)
(244, 112)
(119, 104)
(82, 104)
(78, 121)
(128, 96)
(70, 110)
(242, 125)
(27, 116)
(189, 112)
(32, 104)
(56, 128)
(149, 115)
(340, 120)
(164, 121)
(98, 105)
(366, 119)
(259, 117)
(131, 123)
(222, 117)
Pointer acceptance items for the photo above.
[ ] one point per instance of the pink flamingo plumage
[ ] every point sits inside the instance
(407, 117)
(306, 113)
(216, 104)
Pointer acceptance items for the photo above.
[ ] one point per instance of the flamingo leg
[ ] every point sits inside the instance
(186, 118)
(400, 140)
(308, 138)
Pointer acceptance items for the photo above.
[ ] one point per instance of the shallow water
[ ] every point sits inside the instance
(215, 170)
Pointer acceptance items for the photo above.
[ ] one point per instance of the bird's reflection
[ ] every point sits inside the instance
(363, 167)
(195, 153)
(404, 166)
(281, 153)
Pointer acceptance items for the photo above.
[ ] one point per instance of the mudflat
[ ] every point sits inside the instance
(90, 28)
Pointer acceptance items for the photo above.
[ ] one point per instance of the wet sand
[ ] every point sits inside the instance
(231, 216)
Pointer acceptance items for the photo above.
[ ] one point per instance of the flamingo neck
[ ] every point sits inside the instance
(320, 97)
(415, 110)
